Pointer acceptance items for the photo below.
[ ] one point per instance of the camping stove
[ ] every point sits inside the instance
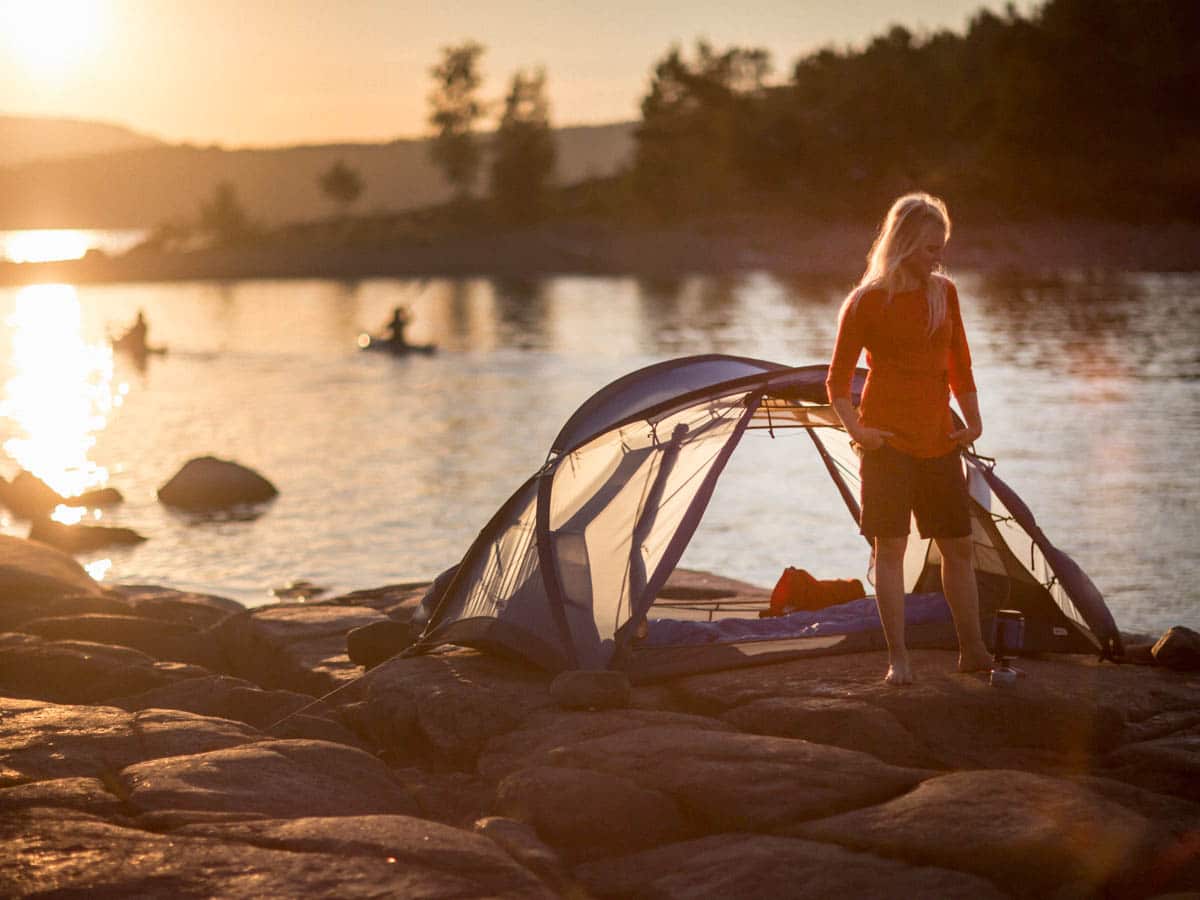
(1007, 640)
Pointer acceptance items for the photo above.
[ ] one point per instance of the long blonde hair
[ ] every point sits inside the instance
(898, 237)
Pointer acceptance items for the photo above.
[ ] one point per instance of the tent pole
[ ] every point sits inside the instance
(548, 565)
(639, 606)
(645, 522)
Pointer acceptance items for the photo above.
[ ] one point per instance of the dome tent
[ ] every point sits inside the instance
(567, 568)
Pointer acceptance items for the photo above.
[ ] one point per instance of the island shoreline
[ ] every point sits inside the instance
(390, 248)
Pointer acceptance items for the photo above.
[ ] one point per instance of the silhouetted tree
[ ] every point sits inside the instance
(692, 121)
(454, 109)
(222, 216)
(523, 149)
(341, 184)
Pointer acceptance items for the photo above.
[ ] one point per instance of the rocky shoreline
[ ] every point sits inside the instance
(159, 743)
(789, 247)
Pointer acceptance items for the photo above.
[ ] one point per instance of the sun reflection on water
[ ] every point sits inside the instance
(98, 568)
(61, 392)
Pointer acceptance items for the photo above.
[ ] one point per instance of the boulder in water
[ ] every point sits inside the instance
(208, 483)
(28, 497)
(81, 538)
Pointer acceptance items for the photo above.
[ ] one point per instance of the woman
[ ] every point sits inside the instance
(904, 312)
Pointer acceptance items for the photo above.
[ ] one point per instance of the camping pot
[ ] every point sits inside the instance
(1009, 636)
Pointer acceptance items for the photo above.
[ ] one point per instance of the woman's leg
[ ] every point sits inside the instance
(889, 596)
(962, 593)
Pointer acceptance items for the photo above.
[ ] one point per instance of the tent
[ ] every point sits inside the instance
(567, 568)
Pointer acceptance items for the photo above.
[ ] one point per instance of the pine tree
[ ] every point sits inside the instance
(523, 152)
(454, 109)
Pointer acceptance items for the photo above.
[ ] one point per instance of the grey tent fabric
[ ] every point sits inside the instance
(569, 566)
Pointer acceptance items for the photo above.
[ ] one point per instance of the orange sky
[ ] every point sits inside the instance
(257, 72)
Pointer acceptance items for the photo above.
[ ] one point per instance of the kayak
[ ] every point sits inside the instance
(125, 345)
(383, 345)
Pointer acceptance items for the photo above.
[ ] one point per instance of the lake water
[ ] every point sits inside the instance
(389, 467)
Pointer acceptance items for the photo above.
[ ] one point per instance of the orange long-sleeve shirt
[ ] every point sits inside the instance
(910, 372)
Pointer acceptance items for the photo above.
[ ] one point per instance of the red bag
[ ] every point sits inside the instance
(797, 589)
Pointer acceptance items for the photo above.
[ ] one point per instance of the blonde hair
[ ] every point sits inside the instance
(898, 237)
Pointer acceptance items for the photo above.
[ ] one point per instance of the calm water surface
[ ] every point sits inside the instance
(387, 468)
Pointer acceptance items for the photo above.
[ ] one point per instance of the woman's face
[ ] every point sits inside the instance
(928, 253)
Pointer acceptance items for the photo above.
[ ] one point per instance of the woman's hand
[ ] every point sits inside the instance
(871, 438)
(965, 437)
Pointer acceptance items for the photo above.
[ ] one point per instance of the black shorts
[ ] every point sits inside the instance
(896, 486)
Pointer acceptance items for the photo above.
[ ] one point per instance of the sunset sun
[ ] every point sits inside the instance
(50, 36)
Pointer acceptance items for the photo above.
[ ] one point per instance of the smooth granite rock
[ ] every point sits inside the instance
(841, 723)
(1169, 765)
(1030, 834)
(591, 689)
(40, 741)
(269, 779)
(1059, 715)
(377, 642)
(545, 735)
(1178, 648)
(46, 852)
(598, 811)
(448, 796)
(520, 841)
(19, 608)
(221, 696)
(464, 863)
(30, 568)
(727, 781)
(805, 778)
(80, 671)
(86, 795)
(154, 637)
(750, 865)
(447, 707)
(293, 646)
(183, 607)
(722, 779)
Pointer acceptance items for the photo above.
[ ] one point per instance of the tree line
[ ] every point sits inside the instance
(1083, 107)
(1080, 108)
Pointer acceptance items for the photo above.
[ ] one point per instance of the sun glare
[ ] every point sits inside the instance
(60, 393)
(44, 245)
(50, 36)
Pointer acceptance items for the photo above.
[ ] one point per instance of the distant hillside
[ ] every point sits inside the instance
(27, 138)
(147, 186)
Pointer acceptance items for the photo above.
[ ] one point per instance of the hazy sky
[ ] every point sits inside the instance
(267, 72)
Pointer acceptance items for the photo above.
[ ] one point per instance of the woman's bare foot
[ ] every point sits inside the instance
(976, 660)
(899, 673)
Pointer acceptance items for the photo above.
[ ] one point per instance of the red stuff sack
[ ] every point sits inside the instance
(796, 589)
